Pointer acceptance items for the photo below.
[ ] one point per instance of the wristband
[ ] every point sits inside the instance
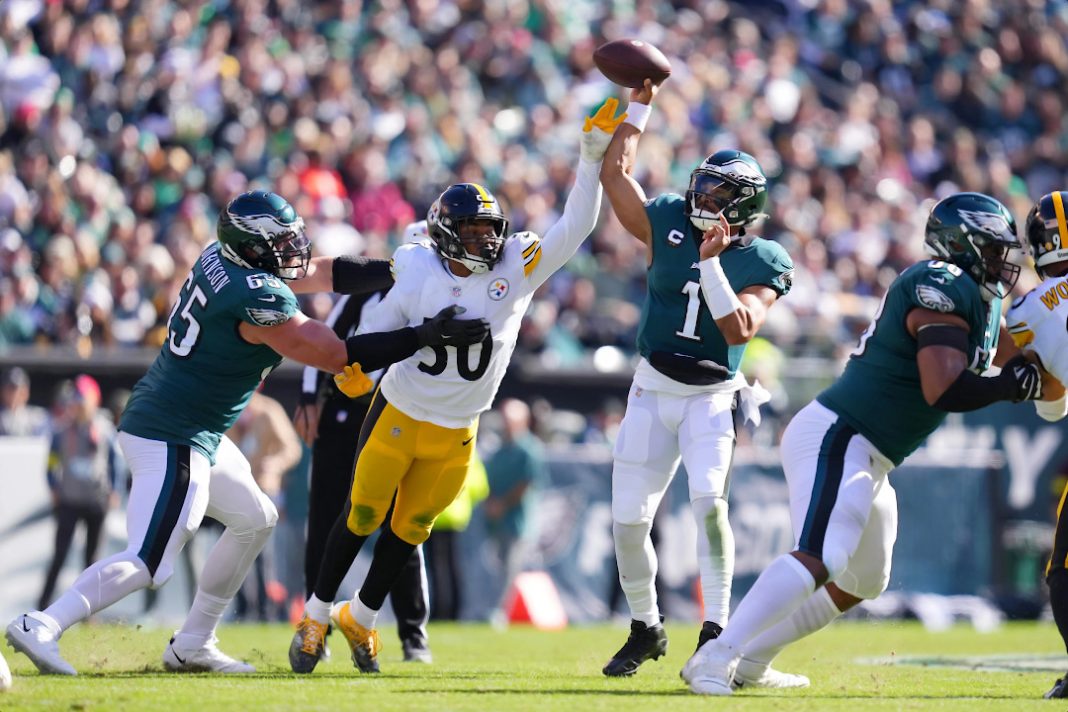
(1052, 410)
(719, 296)
(638, 115)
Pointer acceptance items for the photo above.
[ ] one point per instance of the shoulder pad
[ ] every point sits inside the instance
(529, 250)
(940, 286)
(406, 255)
(263, 299)
(664, 200)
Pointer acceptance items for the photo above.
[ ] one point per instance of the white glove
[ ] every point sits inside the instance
(597, 131)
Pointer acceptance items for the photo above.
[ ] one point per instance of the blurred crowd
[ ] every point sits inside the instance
(125, 125)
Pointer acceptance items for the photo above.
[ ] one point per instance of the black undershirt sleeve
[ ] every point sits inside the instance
(971, 392)
(949, 335)
(380, 349)
(359, 275)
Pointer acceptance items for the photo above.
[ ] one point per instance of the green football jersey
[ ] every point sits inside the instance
(675, 317)
(206, 373)
(879, 393)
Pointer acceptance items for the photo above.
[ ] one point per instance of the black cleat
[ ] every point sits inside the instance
(709, 631)
(645, 643)
(416, 650)
(1059, 689)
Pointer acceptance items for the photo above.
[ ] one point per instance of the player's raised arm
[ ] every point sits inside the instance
(624, 192)
(583, 202)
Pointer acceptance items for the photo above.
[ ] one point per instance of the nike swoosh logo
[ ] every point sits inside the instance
(24, 627)
(468, 440)
(175, 654)
(267, 299)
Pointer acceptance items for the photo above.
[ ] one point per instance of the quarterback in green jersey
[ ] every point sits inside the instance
(234, 320)
(936, 331)
(710, 286)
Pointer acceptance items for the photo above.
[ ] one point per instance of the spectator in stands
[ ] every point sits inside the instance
(515, 473)
(83, 469)
(17, 416)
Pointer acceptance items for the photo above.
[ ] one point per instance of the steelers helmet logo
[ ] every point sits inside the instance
(498, 290)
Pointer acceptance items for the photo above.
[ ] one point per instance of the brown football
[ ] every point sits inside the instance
(630, 62)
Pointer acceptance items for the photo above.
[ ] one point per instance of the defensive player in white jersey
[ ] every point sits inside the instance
(1037, 321)
(418, 436)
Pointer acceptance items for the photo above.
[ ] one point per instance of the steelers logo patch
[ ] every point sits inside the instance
(498, 290)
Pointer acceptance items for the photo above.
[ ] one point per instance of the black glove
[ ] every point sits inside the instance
(445, 330)
(1027, 377)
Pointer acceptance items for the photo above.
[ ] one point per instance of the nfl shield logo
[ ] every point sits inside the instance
(498, 290)
(395, 432)
(456, 291)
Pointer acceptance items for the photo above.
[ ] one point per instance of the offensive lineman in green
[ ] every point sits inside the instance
(937, 329)
(710, 287)
(234, 320)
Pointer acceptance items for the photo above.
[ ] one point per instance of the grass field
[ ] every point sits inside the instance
(478, 668)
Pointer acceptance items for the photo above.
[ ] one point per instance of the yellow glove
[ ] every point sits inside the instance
(353, 382)
(598, 129)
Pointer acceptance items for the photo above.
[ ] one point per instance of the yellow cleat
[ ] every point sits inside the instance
(364, 643)
(307, 646)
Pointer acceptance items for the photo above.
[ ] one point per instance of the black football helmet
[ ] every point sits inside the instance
(728, 182)
(1047, 230)
(976, 233)
(260, 230)
(460, 205)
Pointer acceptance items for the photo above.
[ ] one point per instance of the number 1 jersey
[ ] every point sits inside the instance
(206, 373)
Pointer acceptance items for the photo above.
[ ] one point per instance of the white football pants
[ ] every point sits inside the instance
(842, 507)
(172, 488)
(657, 431)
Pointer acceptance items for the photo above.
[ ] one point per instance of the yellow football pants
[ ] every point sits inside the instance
(425, 464)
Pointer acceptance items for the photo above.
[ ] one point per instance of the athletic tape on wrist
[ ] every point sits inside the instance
(719, 296)
(638, 115)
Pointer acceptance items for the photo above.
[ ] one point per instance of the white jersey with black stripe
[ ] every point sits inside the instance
(450, 386)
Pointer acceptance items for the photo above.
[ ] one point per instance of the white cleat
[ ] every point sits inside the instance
(5, 675)
(31, 636)
(207, 658)
(751, 674)
(710, 670)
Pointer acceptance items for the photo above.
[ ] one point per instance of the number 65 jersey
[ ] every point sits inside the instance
(206, 373)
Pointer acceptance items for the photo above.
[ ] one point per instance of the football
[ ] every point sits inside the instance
(630, 62)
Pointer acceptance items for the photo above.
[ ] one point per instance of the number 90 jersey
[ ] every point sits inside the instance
(449, 385)
(1039, 321)
(206, 373)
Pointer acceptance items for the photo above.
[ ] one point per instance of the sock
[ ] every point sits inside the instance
(224, 571)
(815, 613)
(317, 609)
(391, 556)
(636, 559)
(342, 546)
(364, 614)
(715, 556)
(782, 587)
(100, 585)
(1058, 600)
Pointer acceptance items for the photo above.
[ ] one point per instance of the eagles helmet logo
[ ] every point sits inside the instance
(990, 223)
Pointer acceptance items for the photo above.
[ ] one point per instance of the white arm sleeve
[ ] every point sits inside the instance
(1052, 410)
(579, 218)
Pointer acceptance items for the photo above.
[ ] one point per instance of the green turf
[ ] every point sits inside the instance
(477, 668)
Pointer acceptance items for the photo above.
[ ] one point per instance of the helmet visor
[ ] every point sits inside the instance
(712, 193)
(292, 252)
